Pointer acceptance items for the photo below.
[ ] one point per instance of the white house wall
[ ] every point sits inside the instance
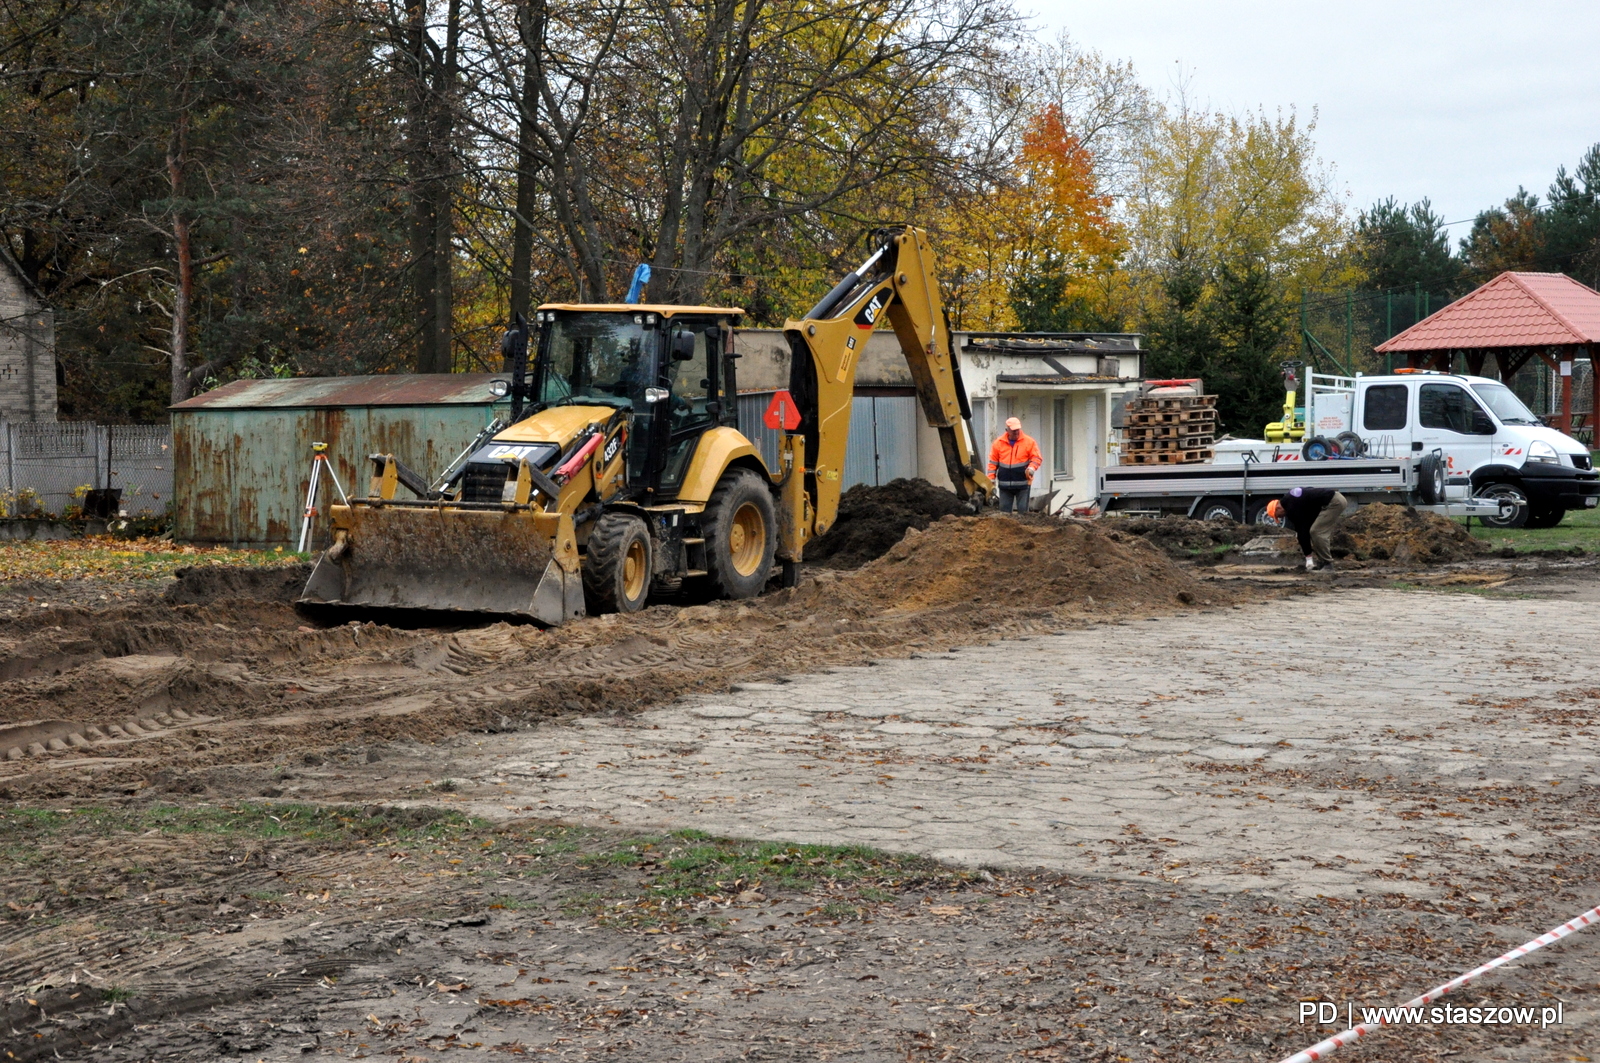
(1088, 428)
(27, 350)
(764, 367)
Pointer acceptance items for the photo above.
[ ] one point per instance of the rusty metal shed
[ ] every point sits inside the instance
(242, 453)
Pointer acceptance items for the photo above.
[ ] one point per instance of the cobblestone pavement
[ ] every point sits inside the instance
(1271, 749)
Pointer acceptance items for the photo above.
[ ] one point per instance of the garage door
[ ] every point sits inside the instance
(883, 436)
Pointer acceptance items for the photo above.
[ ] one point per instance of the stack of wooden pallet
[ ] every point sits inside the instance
(1169, 429)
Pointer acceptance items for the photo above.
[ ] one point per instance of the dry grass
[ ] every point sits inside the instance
(104, 557)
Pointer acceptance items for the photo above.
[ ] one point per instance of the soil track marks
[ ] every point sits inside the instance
(266, 682)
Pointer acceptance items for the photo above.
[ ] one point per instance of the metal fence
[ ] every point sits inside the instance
(57, 461)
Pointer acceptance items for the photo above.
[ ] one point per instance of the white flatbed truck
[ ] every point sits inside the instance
(1455, 445)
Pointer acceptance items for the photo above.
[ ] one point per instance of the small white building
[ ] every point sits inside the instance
(27, 347)
(1065, 388)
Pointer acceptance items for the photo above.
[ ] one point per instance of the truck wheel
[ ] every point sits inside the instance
(1506, 492)
(1430, 479)
(1218, 509)
(1545, 518)
(1258, 515)
(616, 567)
(741, 531)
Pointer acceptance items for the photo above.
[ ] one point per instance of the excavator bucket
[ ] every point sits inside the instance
(446, 558)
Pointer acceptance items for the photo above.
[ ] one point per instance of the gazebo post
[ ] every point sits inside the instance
(1594, 398)
(1566, 391)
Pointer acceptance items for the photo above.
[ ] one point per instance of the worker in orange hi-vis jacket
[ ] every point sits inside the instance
(1013, 460)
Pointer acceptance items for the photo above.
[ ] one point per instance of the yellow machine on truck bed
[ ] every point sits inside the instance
(629, 476)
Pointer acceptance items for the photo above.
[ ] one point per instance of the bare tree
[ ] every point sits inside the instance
(426, 57)
(671, 133)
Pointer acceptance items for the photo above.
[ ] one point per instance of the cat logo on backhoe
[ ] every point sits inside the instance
(869, 313)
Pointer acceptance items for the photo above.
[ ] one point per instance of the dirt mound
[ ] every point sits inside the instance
(1031, 563)
(1186, 539)
(1382, 532)
(205, 584)
(873, 519)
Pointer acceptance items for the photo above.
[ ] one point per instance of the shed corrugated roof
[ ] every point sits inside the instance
(410, 389)
(1513, 310)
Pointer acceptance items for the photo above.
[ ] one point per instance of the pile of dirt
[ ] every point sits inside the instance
(205, 584)
(873, 519)
(1187, 539)
(1382, 532)
(1029, 563)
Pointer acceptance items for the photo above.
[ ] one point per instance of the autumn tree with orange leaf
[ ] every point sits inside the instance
(1028, 253)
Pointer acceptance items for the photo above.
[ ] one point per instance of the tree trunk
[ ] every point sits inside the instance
(443, 196)
(419, 165)
(430, 128)
(183, 289)
(532, 27)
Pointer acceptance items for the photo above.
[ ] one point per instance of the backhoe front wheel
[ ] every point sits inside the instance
(741, 533)
(616, 568)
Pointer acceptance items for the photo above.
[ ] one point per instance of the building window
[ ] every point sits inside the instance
(1060, 434)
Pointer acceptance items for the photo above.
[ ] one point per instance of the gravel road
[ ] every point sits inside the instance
(1159, 836)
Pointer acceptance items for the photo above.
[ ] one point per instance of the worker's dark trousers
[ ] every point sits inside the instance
(1322, 528)
(1014, 495)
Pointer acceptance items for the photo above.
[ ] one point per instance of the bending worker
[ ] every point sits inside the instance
(1315, 513)
(1013, 460)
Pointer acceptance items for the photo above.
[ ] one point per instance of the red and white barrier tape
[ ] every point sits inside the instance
(1323, 1049)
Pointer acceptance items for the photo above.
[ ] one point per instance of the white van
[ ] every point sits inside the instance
(1493, 446)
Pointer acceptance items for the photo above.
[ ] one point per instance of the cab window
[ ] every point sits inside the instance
(689, 378)
(1385, 408)
(1449, 407)
(689, 371)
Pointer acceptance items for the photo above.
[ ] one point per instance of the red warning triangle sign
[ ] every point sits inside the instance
(782, 413)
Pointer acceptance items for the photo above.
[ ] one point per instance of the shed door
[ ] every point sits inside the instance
(883, 440)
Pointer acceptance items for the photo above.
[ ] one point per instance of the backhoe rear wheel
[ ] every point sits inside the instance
(616, 568)
(741, 532)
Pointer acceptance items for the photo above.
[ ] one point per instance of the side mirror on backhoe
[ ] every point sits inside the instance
(682, 346)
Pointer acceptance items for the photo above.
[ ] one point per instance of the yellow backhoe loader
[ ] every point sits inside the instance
(624, 473)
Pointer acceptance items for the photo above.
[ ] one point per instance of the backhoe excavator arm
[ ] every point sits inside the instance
(826, 346)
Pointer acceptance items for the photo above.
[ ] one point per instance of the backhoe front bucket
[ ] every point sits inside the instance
(439, 557)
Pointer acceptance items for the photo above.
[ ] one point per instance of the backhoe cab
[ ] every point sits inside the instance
(624, 475)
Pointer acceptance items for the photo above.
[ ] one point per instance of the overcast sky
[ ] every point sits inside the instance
(1460, 102)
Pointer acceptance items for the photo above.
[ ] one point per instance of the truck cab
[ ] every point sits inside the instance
(1492, 446)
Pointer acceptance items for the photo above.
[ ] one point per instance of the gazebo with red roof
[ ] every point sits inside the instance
(1515, 317)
